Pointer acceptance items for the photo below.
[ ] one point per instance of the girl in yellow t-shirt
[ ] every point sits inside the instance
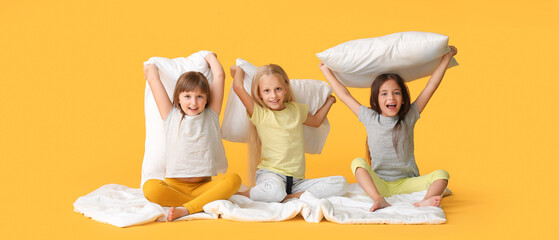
(278, 121)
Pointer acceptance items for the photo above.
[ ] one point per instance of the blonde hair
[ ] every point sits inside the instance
(270, 70)
(254, 143)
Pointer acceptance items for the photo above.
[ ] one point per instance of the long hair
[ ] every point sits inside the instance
(190, 81)
(404, 109)
(254, 142)
(269, 70)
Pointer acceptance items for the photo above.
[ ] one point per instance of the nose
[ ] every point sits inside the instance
(193, 102)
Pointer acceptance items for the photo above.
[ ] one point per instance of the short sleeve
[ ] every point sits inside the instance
(413, 114)
(170, 116)
(303, 111)
(211, 113)
(257, 114)
(366, 114)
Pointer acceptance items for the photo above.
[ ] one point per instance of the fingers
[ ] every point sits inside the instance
(238, 72)
(233, 69)
(333, 98)
(147, 69)
(453, 50)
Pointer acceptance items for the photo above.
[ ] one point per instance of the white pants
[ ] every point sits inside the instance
(270, 186)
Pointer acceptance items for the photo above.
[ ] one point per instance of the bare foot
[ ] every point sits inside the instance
(176, 212)
(293, 195)
(380, 204)
(245, 193)
(434, 201)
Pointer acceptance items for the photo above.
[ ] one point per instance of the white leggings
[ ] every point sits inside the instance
(270, 186)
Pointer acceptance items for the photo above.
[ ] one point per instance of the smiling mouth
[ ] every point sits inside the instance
(391, 106)
(274, 102)
(192, 109)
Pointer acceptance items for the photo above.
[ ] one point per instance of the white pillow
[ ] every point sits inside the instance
(170, 70)
(236, 125)
(412, 55)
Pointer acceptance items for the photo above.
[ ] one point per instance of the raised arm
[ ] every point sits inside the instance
(164, 105)
(238, 87)
(435, 80)
(317, 119)
(340, 90)
(216, 89)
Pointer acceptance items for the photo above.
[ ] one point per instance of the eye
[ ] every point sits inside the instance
(266, 91)
(187, 96)
(278, 89)
(397, 93)
(383, 94)
(200, 96)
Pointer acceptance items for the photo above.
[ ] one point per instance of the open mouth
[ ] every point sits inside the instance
(192, 109)
(391, 106)
(274, 102)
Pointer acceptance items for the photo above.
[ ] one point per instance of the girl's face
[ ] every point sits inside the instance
(193, 102)
(272, 91)
(390, 98)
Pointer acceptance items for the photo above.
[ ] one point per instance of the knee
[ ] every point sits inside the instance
(359, 163)
(233, 180)
(332, 186)
(151, 188)
(339, 185)
(271, 190)
(439, 174)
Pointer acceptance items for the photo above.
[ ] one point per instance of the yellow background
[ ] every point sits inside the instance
(72, 108)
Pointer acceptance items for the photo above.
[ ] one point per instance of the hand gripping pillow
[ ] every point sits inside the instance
(235, 126)
(412, 55)
(153, 165)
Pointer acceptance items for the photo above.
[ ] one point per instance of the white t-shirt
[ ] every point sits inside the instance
(193, 145)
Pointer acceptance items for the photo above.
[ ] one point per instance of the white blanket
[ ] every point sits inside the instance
(122, 206)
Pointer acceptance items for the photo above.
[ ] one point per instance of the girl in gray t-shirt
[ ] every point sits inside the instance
(389, 123)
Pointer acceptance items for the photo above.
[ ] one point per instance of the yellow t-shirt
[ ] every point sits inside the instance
(281, 133)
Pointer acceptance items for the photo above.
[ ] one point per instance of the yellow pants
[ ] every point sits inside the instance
(193, 196)
(400, 186)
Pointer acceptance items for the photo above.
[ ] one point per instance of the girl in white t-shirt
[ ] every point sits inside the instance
(279, 144)
(194, 150)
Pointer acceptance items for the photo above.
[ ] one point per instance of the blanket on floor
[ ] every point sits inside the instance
(122, 206)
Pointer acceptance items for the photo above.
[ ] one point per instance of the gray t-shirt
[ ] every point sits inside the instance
(385, 162)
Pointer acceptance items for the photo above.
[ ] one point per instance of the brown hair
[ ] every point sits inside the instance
(190, 81)
(269, 70)
(404, 109)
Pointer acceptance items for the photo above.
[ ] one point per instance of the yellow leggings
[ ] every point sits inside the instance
(193, 196)
(400, 186)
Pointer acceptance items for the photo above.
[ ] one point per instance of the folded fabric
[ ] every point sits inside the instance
(235, 126)
(153, 165)
(354, 209)
(122, 206)
(412, 55)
